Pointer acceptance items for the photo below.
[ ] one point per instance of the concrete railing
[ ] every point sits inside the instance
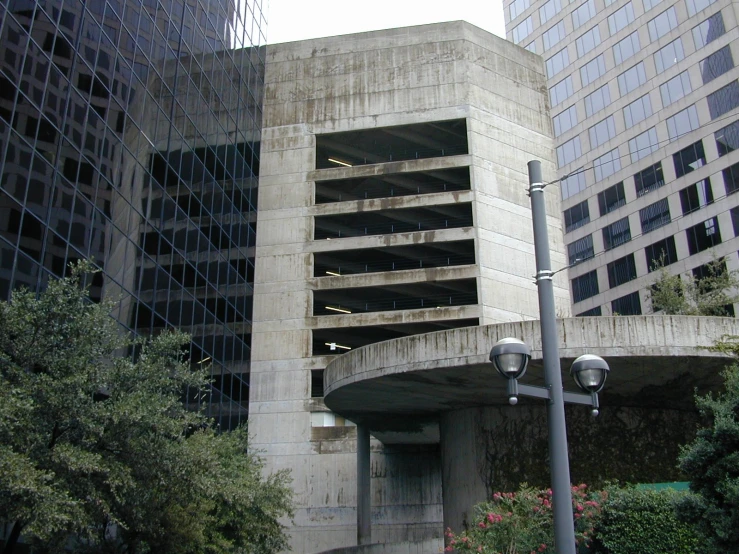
(430, 546)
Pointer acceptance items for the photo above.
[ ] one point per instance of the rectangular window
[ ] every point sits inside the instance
(561, 91)
(553, 35)
(577, 216)
(689, 159)
(631, 79)
(643, 145)
(734, 212)
(531, 46)
(568, 152)
(597, 100)
(669, 55)
(621, 271)
(608, 164)
(695, 6)
(708, 31)
(616, 234)
(723, 100)
(627, 305)
(549, 10)
(716, 64)
(580, 250)
(620, 18)
(682, 122)
(674, 89)
(731, 178)
(626, 48)
(654, 216)
(518, 7)
(661, 253)
(573, 184)
(585, 286)
(649, 4)
(662, 24)
(696, 196)
(703, 236)
(557, 63)
(611, 199)
(727, 139)
(565, 121)
(602, 132)
(637, 111)
(592, 70)
(592, 312)
(649, 179)
(583, 13)
(587, 41)
(522, 30)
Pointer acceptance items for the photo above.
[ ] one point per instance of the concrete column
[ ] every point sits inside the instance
(364, 498)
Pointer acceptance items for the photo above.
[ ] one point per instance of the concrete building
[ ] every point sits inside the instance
(392, 203)
(643, 98)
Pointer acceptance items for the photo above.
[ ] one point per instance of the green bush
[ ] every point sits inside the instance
(642, 521)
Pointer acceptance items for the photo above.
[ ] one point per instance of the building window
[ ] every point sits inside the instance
(661, 253)
(568, 152)
(731, 178)
(565, 121)
(553, 35)
(577, 216)
(637, 111)
(689, 159)
(649, 4)
(694, 6)
(662, 24)
(627, 305)
(585, 286)
(602, 132)
(649, 179)
(620, 18)
(580, 250)
(531, 46)
(643, 145)
(597, 100)
(573, 184)
(608, 164)
(522, 30)
(597, 312)
(682, 123)
(561, 91)
(708, 31)
(727, 139)
(583, 13)
(549, 10)
(674, 89)
(611, 199)
(626, 48)
(696, 196)
(587, 41)
(735, 220)
(716, 64)
(723, 100)
(616, 233)
(557, 63)
(592, 70)
(631, 79)
(669, 55)
(518, 7)
(654, 216)
(703, 236)
(621, 271)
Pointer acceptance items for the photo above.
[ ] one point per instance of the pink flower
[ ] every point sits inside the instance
(481, 525)
(579, 508)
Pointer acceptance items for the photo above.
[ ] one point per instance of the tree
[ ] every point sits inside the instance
(708, 294)
(98, 452)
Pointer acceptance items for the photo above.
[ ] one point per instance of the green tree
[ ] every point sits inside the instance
(708, 295)
(97, 450)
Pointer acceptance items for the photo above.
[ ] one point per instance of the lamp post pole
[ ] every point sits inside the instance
(559, 465)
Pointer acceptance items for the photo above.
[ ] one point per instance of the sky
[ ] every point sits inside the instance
(289, 20)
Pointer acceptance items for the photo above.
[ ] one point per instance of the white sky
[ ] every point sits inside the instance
(289, 20)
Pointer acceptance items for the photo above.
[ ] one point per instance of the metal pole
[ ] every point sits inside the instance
(364, 498)
(559, 464)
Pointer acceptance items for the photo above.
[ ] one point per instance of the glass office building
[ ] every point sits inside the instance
(129, 134)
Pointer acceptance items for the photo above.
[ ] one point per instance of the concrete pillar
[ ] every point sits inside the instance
(364, 493)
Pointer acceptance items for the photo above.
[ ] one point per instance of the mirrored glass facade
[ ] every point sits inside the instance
(129, 134)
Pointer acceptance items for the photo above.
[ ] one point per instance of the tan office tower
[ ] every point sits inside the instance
(643, 97)
(392, 202)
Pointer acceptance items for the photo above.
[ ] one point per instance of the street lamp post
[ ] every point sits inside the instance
(511, 356)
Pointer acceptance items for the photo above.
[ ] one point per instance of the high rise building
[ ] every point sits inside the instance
(643, 99)
(129, 133)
